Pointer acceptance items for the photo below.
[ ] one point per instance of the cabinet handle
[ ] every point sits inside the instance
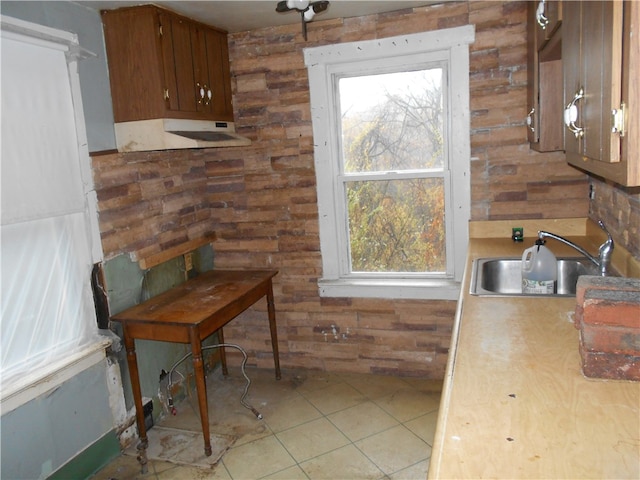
(201, 91)
(165, 94)
(209, 96)
(530, 120)
(571, 115)
(542, 20)
(617, 119)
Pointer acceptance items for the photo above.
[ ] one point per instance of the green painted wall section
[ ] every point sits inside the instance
(47, 432)
(90, 460)
(128, 285)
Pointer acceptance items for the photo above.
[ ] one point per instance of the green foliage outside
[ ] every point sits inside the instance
(396, 225)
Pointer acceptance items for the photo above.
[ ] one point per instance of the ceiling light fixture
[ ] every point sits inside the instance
(307, 10)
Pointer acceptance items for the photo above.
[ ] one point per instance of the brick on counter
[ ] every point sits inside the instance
(587, 283)
(608, 317)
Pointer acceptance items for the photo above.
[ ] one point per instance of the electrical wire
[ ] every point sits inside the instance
(242, 368)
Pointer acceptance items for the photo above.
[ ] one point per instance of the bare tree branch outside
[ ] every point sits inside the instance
(392, 126)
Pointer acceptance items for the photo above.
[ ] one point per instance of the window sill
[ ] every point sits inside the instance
(34, 384)
(392, 289)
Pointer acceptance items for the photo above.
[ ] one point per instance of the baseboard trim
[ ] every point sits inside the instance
(91, 459)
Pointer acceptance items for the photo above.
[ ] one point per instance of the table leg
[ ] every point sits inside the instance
(132, 361)
(223, 356)
(272, 327)
(201, 386)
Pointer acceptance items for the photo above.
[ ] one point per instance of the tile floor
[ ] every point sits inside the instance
(315, 425)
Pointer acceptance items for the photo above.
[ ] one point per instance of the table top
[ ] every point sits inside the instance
(198, 299)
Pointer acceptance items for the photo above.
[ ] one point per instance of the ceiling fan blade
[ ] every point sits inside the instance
(282, 7)
(319, 6)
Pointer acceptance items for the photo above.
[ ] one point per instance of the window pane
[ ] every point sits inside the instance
(392, 121)
(397, 225)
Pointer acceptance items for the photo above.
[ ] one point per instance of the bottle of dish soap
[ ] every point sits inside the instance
(539, 270)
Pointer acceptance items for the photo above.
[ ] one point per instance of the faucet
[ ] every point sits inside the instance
(604, 252)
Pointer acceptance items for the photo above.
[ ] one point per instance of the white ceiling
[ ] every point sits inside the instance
(240, 16)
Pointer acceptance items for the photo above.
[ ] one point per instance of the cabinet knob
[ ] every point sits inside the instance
(571, 115)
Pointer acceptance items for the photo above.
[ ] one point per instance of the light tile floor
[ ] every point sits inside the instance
(315, 425)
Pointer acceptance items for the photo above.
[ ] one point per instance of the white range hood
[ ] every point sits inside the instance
(173, 134)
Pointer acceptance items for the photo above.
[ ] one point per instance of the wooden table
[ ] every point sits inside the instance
(189, 313)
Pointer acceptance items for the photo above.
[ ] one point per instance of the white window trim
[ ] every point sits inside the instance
(322, 63)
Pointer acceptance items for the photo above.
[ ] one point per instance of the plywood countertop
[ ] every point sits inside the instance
(515, 403)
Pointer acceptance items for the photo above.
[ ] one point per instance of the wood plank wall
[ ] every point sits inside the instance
(261, 200)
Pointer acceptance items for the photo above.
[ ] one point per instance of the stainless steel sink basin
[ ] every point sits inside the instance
(503, 276)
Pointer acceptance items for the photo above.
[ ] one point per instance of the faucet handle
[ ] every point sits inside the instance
(609, 238)
(605, 250)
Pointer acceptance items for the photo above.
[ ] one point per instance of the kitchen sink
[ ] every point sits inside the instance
(503, 277)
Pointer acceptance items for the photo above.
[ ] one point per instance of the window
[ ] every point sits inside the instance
(391, 133)
(49, 229)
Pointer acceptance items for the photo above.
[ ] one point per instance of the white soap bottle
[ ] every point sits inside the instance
(539, 270)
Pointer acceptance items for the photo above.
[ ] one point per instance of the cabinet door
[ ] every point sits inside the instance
(219, 75)
(572, 67)
(211, 67)
(200, 69)
(178, 64)
(602, 47)
(603, 57)
(131, 35)
(544, 75)
(592, 52)
(533, 125)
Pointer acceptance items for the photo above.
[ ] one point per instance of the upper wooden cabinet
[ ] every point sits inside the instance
(163, 65)
(544, 80)
(601, 53)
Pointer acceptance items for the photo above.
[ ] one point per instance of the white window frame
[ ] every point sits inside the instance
(326, 64)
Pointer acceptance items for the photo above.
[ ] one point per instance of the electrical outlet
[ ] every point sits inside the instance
(517, 234)
(188, 261)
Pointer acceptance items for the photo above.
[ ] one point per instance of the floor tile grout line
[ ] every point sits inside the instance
(343, 446)
(397, 471)
(364, 395)
(353, 443)
(385, 474)
(268, 474)
(299, 424)
(316, 456)
(363, 438)
(221, 464)
(410, 419)
(290, 454)
(367, 398)
(335, 380)
(279, 471)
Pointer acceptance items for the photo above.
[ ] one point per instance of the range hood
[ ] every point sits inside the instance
(173, 134)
